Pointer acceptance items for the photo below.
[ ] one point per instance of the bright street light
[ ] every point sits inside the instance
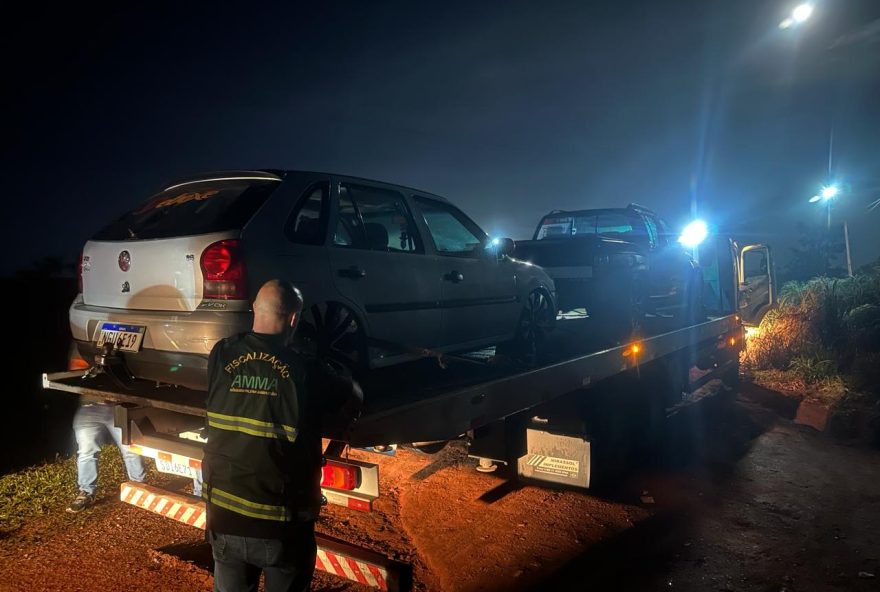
(827, 195)
(830, 192)
(800, 14)
(693, 234)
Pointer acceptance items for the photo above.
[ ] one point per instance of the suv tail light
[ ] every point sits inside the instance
(223, 271)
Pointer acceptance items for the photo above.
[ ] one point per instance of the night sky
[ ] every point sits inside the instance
(509, 109)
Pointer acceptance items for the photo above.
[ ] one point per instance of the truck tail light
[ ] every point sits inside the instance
(223, 271)
(336, 476)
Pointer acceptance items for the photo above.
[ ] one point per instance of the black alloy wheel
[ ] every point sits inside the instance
(338, 336)
(536, 321)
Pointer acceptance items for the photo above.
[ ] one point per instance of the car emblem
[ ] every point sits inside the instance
(124, 261)
(126, 287)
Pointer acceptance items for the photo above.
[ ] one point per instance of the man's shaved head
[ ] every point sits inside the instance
(276, 306)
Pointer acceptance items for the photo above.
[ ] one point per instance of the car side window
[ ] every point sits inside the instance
(307, 225)
(665, 233)
(375, 219)
(453, 233)
(651, 225)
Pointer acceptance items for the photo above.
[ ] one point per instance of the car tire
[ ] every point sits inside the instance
(536, 321)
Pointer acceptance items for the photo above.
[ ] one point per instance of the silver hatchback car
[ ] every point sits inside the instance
(386, 272)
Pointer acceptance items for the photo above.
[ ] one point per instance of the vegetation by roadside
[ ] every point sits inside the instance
(48, 488)
(823, 343)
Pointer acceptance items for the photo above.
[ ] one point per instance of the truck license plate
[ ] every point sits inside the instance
(125, 337)
(173, 468)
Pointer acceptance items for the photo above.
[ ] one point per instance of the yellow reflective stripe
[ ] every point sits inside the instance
(237, 504)
(256, 422)
(248, 503)
(253, 427)
(251, 432)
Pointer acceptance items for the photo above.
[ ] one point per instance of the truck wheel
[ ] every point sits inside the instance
(536, 321)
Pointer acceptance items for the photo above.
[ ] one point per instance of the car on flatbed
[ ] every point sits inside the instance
(617, 265)
(387, 272)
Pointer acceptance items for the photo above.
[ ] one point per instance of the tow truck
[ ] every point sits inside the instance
(554, 424)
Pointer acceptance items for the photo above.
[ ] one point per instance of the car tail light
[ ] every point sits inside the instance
(338, 476)
(223, 270)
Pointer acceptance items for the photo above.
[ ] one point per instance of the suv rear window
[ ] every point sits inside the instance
(193, 208)
(596, 222)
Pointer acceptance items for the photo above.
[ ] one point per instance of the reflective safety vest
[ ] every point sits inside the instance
(262, 461)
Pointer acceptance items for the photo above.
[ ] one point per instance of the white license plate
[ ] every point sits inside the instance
(173, 468)
(124, 337)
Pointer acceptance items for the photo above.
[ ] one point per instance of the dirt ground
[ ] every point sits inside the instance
(757, 504)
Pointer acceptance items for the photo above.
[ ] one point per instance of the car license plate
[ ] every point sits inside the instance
(173, 468)
(125, 337)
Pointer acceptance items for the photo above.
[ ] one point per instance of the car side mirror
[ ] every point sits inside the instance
(501, 247)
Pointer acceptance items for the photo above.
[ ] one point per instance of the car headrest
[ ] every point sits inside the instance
(377, 236)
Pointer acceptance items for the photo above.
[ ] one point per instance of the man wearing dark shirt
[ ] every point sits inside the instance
(262, 462)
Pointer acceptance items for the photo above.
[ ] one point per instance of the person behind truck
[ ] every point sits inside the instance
(92, 421)
(262, 462)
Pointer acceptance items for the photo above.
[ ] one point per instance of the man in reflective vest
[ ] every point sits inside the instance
(262, 462)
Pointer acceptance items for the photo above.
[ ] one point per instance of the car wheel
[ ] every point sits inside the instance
(338, 335)
(536, 321)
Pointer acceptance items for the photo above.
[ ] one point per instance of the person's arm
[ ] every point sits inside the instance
(338, 395)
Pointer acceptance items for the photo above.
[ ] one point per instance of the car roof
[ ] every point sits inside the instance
(279, 175)
(629, 208)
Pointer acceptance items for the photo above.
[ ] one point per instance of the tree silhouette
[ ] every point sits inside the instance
(819, 252)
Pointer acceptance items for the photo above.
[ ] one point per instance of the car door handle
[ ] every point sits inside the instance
(354, 272)
(454, 277)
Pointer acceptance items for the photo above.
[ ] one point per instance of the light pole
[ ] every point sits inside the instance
(827, 196)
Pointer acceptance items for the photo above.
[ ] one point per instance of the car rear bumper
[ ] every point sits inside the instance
(176, 345)
(187, 370)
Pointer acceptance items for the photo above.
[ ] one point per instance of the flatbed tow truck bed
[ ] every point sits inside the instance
(417, 403)
(424, 402)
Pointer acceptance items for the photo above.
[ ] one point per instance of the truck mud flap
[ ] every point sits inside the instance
(553, 457)
(334, 556)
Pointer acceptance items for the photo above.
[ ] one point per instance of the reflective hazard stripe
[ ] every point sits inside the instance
(240, 505)
(376, 572)
(253, 427)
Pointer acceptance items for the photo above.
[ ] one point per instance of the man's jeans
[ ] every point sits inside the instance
(89, 423)
(288, 565)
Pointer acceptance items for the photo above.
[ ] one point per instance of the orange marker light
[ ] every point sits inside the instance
(632, 350)
(732, 341)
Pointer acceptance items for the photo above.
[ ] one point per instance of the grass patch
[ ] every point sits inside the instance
(821, 331)
(48, 488)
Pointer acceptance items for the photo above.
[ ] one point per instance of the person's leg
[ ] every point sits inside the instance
(232, 572)
(134, 465)
(87, 429)
(290, 564)
(197, 486)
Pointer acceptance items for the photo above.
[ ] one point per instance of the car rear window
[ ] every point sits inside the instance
(573, 225)
(192, 208)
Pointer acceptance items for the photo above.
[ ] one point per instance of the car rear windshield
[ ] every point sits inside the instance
(192, 208)
(615, 224)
